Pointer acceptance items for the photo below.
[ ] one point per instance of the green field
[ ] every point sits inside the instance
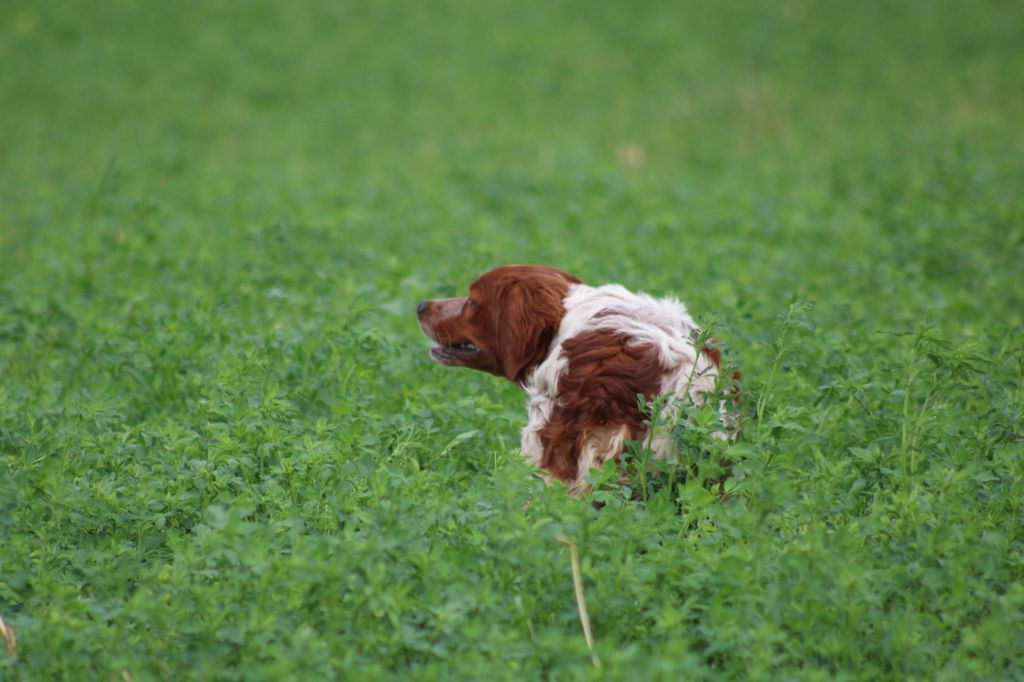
(225, 453)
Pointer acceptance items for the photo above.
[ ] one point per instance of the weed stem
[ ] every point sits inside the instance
(7, 632)
(581, 601)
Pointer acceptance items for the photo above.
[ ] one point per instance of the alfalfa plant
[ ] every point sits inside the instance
(702, 436)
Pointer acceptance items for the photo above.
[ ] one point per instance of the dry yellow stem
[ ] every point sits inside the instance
(581, 601)
(9, 637)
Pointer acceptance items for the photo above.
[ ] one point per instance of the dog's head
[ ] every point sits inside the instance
(504, 326)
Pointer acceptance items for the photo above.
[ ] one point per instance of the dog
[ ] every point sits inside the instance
(582, 354)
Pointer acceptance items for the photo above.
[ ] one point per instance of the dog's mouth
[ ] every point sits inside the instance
(455, 354)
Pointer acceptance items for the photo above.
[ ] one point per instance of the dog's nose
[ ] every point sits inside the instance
(421, 308)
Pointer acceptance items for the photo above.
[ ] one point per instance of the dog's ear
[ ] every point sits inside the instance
(523, 305)
(530, 315)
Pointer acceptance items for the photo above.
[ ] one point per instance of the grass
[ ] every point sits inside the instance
(225, 454)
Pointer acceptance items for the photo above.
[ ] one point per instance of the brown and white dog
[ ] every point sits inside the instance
(581, 353)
